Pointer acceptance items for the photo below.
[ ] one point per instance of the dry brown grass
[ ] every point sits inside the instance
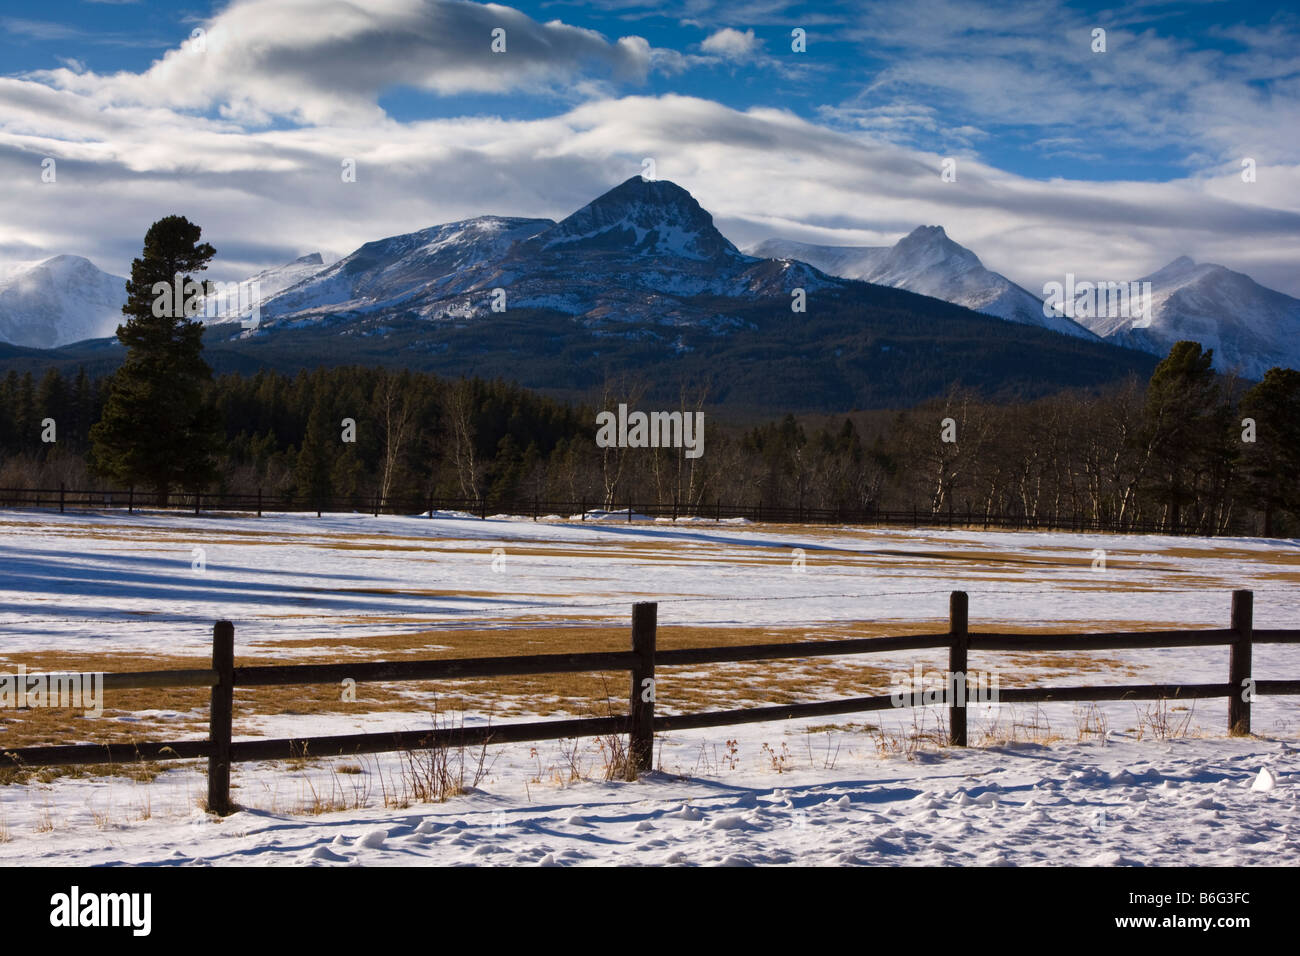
(680, 689)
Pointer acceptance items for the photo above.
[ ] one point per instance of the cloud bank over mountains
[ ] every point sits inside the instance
(247, 131)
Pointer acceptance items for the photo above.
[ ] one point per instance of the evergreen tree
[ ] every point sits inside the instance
(1183, 425)
(155, 429)
(1272, 460)
(313, 469)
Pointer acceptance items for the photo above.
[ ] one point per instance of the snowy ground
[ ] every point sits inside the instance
(1171, 803)
(846, 790)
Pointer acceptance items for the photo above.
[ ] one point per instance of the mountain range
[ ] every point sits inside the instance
(644, 251)
(1251, 328)
(639, 282)
(928, 262)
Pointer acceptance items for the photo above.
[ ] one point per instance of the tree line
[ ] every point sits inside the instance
(1188, 451)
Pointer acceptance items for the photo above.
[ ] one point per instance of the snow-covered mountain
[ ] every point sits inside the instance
(928, 262)
(640, 251)
(1250, 327)
(59, 300)
(271, 282)
(238, 301)
(402, 270)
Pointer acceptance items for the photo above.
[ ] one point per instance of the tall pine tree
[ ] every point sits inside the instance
(1184, 426)
(1272, 455)
(156, 430)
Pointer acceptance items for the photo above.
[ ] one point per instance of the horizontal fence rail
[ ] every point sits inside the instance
(641, 722)
(192, 502)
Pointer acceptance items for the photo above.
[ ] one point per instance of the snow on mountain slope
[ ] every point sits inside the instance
(928, 262)
(639, 252)
(59, 300)
(238, 301)
(271, 282)
(1250, 327)
(390, 271)
(646, 218)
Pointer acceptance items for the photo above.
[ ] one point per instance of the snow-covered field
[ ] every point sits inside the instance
(1055, 784)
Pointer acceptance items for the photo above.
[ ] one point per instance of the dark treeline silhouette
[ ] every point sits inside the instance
(1190, 451)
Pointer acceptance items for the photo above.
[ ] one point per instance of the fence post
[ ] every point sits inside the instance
(60, 497)
(958, 616)
(130, 500)
(198, 499)
(629, 509)
(220, 714)
(641, 705)
(1242, 689)
(259, 502)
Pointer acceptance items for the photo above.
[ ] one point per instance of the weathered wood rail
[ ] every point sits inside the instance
(641, 722)
(197, 502)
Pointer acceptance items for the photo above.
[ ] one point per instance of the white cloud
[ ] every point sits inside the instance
(731, 44)
(270, 195)
(186, 136)
(322, 61)
(1013, 64)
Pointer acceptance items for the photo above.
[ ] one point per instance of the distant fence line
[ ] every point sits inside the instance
(133, 500)
(641, 722)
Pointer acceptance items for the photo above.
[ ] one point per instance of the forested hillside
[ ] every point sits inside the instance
(1173, 451)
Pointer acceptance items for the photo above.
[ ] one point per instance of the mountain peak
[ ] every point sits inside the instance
(654, 217)
(932, 233)
(928, 247)
(58, 300)
(1181, 266)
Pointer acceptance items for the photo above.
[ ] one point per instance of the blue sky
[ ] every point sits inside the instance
(1069, 159)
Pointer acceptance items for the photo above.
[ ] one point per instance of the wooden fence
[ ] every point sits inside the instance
(642, 722)
(195, 502)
